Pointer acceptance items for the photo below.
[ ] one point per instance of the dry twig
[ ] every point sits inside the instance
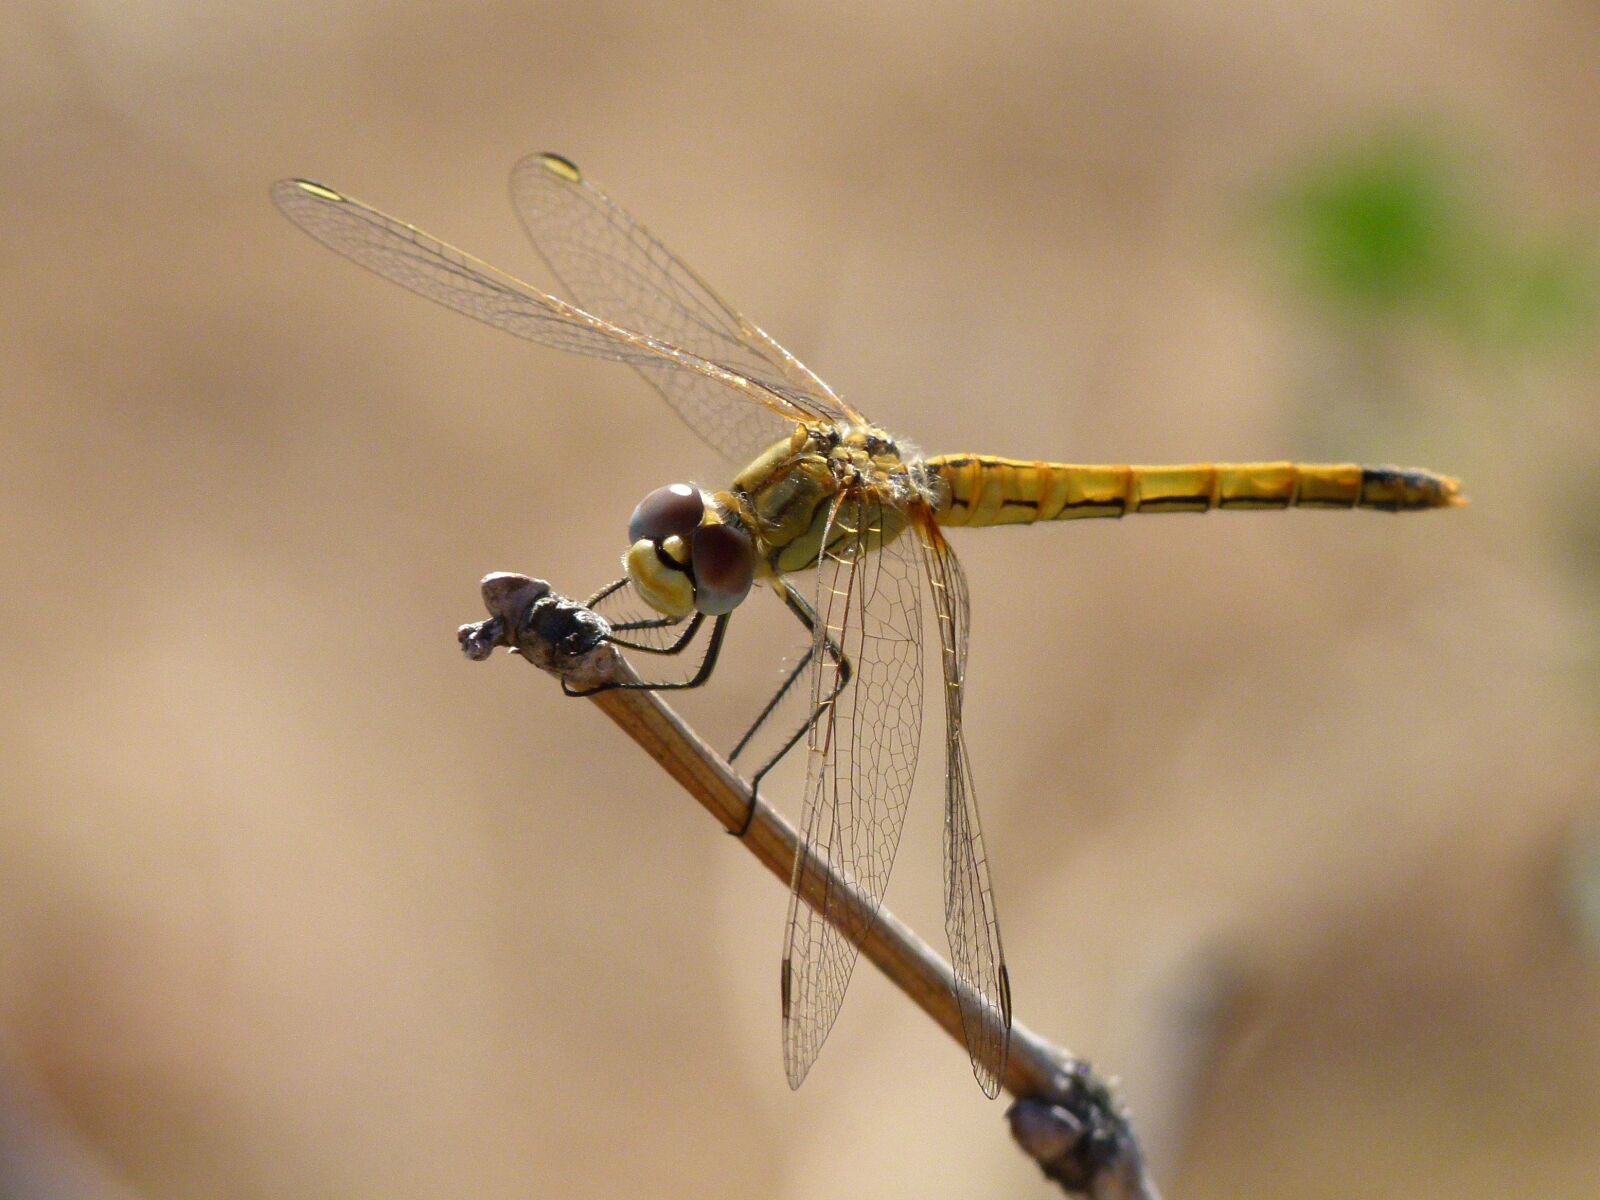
(1064, 1115)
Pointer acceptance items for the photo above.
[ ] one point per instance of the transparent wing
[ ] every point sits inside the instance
(863, 754)
(613, 266)
(983, 986)
(456, 280)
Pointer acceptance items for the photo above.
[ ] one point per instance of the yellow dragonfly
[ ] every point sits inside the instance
(824, 490)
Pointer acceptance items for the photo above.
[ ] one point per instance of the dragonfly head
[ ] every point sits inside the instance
(684, 556)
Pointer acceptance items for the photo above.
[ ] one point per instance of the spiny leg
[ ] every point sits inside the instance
(707, 665)
(614, 586)
(677, 647)
(766, 711)
(807, 616)
(649, 623)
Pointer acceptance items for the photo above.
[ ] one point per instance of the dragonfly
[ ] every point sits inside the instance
(822, 490)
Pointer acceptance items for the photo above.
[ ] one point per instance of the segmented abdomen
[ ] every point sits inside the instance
(985, 490)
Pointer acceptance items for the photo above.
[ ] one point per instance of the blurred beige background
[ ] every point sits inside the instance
(1292, 817)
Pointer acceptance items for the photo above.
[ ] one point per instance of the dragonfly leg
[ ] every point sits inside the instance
(761, 719)
(807, 616)
(676, 647)
(614, 586)
(707, 665)
(650, 623)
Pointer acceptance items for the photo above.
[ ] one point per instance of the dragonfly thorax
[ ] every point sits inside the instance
(688, 554)
(814, 488)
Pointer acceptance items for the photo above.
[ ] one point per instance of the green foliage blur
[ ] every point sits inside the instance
(1390, 229)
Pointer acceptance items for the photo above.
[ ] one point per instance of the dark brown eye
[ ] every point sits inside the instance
(724, 568)
(672, 511)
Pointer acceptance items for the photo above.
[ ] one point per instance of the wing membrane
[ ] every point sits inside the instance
(863, 754)
(456, 280)
(613, 266)
(983, 987)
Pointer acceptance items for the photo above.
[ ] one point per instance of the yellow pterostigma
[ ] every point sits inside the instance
(825, 490)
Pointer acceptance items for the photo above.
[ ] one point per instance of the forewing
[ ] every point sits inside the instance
(456, 280)
(616, 268)
(863, 754)
(983, 988)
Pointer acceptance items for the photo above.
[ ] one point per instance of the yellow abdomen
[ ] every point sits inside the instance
(984, 490)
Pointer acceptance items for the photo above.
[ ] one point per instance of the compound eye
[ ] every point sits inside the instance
(724, 568)
(672, 511)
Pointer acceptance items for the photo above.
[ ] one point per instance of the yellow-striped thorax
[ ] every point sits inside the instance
(697, 551)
